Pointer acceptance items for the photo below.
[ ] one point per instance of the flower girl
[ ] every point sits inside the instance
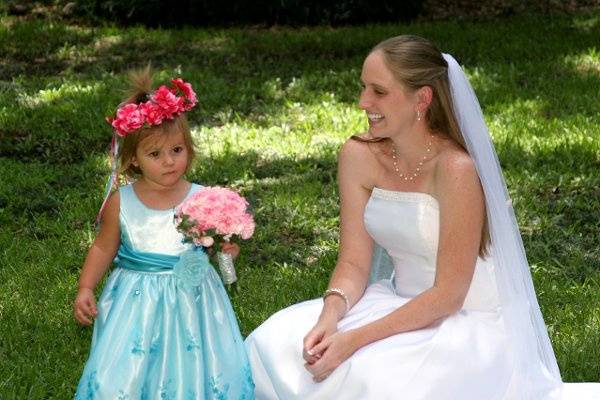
(164, 326)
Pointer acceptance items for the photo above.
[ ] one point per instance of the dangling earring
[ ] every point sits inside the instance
(418, 115)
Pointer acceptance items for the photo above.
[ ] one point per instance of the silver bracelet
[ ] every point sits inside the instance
(339, 292)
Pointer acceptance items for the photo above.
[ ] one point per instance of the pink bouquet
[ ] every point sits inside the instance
(214, 211)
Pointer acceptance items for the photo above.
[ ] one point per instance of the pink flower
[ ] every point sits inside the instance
(167, 101)
(247, 228)
(206, 241)
(129, 118)
(152, 112)
(187, 91)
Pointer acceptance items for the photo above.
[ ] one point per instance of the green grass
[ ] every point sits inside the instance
(274, 107)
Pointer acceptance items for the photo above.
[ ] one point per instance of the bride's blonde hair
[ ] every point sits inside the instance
(416, 62)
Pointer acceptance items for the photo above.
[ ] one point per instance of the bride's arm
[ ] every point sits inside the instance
(462, 211)
(351, 273)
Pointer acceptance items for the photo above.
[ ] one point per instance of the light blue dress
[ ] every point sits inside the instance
(165, 327)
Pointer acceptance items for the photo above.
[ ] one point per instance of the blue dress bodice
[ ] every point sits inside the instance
(149, 230)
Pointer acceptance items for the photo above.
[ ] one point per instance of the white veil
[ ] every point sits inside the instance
(536, 372)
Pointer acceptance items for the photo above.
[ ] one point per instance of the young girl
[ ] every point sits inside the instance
(156, 335)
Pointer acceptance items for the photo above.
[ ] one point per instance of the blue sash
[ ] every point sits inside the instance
(144, 262)
(190, 266)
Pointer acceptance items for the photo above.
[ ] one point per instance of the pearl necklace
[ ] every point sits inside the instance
(411, 177)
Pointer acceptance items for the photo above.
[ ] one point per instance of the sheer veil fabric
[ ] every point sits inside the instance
(520, 309)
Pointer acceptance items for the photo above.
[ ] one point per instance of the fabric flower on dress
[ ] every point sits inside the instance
(192, 267)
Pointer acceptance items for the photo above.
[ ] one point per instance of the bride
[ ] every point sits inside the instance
(423, 189)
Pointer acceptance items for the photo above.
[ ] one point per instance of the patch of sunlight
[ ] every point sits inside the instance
(7, 22)
(328, 114)
(515, 111)
(303, 88)
(5, 113)
(75, 53)
(482, 79)
(586, 62)
(272, 89)
(537, 133)
(319, 141)
(566, 132)
(297, 129)
(99, 161)
(587, 23)
(46, 96)
(309, 82)
(325, 117)
(214, 42)
(106, 42)
(78, 29)
(272, 142)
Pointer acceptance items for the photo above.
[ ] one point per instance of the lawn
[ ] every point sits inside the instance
(274, 107)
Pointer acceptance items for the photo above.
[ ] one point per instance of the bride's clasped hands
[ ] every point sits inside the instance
(325, 349)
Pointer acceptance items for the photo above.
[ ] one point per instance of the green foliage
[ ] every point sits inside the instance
(274, 107)
(250, 12)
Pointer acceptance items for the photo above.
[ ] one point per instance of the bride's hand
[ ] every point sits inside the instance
(324, 328)
(334, 350)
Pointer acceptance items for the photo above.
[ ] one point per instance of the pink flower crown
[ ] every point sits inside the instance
(162, 105)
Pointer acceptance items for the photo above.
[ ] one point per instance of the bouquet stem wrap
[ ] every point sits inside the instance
(226, 267)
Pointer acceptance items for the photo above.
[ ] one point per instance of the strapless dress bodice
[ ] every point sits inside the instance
(406, 225)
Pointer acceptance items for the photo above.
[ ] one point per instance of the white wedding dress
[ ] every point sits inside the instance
(465, 356)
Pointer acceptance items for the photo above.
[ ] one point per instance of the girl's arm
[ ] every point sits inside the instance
(98, 260)
(462, 213)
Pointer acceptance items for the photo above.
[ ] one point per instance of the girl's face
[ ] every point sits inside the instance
(390, 108)
(162, 158)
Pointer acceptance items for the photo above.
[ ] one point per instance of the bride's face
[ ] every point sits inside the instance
(389, 107)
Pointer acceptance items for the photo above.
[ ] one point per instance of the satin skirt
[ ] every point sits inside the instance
(462, 357)
(155, 338)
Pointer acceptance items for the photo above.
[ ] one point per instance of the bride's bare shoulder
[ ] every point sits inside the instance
(453, 159)
(455, 171)
(358, 161)
(359, 148)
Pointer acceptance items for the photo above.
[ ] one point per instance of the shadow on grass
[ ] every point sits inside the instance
(551, 175)
(250, 74)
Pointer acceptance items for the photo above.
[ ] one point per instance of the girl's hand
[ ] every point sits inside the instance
(334, 350)
(323, 329)
(231, 248)
(84, 307)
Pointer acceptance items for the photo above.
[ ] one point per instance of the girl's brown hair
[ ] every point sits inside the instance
(416, 62)
(141, 89)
